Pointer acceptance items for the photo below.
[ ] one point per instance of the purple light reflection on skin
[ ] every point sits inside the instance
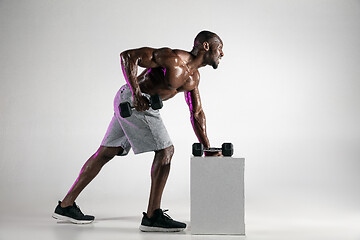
(82, 169)
(75, 182)
(188, 100)
(128, 123)
(163, 69)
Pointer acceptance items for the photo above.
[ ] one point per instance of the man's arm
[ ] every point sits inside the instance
(130, 60)
(147, 58)
(197, 116)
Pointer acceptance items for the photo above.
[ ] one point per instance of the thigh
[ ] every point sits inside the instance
(115, 137)
(145, 131)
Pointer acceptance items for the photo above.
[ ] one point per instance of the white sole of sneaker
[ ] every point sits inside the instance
(68, 219)
(159, 229)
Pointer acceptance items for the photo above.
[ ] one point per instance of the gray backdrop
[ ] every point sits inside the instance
(286, 94)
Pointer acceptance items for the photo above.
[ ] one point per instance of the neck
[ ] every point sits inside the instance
(197, 59)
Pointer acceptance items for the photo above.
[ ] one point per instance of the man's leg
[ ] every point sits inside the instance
(155, 220)
(159, 174)
(89, 171)
(67, 210)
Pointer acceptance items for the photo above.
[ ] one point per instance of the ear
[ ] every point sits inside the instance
(206, 46)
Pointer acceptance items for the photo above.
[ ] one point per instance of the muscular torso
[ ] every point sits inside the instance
(168, 81)
(168, 72)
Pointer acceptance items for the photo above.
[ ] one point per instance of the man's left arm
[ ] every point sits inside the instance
(198, 119)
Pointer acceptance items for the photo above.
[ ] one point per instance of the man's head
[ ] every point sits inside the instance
(211, 45)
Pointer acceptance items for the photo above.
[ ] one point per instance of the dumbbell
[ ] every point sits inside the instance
(226, 149)
(126, 109)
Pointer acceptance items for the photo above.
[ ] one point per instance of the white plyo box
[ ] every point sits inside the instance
(217, 195)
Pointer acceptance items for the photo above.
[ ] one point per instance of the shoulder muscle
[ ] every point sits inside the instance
(166, 57)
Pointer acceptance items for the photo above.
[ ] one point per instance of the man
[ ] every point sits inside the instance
(167, 72)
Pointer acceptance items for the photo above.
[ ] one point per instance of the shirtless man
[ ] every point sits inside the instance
(167, 72)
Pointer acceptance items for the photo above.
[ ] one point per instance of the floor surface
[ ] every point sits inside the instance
(107, 226)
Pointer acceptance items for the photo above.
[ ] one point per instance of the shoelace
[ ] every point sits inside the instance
(166, 215)
(77, 209)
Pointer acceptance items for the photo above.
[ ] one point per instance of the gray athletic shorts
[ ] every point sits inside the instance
(142, 131)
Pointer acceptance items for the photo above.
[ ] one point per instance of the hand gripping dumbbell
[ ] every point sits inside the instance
(226, 149)
(126, 109)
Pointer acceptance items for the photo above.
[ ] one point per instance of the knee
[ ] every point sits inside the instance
(105, 154)
(166, 155)
(170, 151)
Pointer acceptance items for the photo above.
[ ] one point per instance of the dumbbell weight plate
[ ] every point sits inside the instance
(125, 109)
(156, 102)
(227, 149)
(197, 149)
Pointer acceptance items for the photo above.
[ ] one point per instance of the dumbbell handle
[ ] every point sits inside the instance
(226, 149)
(126, 109)
(132, 107)
(212, 149)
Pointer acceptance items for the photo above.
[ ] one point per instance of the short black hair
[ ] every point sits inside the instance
(204, 36)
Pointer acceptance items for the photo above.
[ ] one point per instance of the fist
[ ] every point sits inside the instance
(141, 103)
(213, 154)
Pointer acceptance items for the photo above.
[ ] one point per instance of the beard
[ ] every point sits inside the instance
(215, 64)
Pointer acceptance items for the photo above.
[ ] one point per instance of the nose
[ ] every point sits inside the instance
(221, 53)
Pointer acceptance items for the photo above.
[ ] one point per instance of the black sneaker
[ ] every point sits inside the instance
(160, 222)
(72, 214)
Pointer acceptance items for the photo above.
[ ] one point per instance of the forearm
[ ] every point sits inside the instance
(129, 67)
(198, 122)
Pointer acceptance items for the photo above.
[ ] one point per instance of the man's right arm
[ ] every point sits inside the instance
(130, 60)
(147, 58)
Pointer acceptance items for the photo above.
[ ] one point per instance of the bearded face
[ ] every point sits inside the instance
(215, 53)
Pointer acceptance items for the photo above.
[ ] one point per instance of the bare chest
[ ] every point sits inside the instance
(178, 77)
(167, 82)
